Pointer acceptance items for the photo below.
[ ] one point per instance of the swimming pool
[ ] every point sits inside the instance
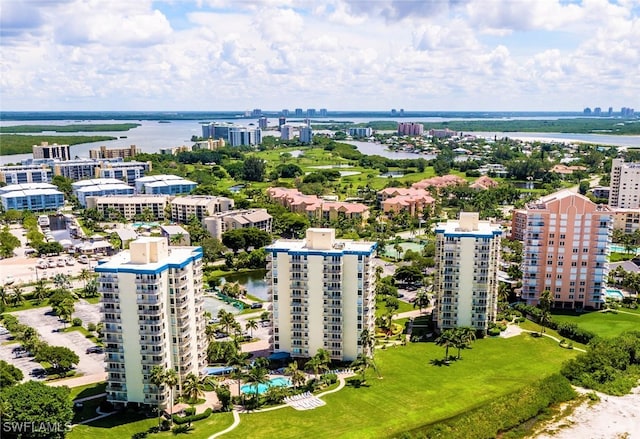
(275, 382)
(621, 249)
(614, 294)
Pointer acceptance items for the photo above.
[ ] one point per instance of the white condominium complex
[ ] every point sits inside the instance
(323, 294)
(466, 275)
(152, 298)
(625, 185)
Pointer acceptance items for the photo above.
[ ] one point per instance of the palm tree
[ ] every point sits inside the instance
(398, 249)
(17, 298)
(84, 276)
(463, 338)
(64, 310)
(156, 378)
(422, 300)
(446, 339)
(320, 361)
(61, 281)
(544, 303)
(255, 377)
(41, 291)
(361, 364)
(176, 239)
(368, 341)
(227, 320)
(171, 380)
(3, 296)
(193, 387)
(251, 325)
(297, 376)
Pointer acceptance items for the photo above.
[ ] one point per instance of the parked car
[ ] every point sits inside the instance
(95, 350)
(71, 261)
(38, 372)
(9, 279)
(83, 259)
(61, 262)
(256, 305)
(51, 263)
(213, 321)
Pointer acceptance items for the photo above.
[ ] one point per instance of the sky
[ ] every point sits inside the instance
(419, 55)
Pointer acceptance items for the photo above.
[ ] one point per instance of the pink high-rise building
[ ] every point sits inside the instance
(566, 238)
(410, 129)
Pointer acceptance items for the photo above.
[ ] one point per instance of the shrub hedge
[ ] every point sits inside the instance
(500, 415)
(193, 418)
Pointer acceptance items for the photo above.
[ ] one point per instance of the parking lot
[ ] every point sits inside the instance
(47, 325)
(26, 364)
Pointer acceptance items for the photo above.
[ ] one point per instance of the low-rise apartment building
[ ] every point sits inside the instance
(410, 200)
(36, 197)
(129, 207)
(99, 187)
(165, 184)
(317, 208)
(200, 206)
(222, 222)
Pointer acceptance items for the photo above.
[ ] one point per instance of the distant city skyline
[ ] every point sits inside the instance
(446, 55)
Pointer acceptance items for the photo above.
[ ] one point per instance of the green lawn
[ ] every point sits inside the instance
(414, 392)
(88, 390)
(123, 426)
(604, 324)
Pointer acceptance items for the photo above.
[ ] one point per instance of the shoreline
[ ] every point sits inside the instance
(610, 417)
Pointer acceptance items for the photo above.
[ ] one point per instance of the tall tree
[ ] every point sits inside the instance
(297, 376)
(251, 325)
(447, 340)
(544, 303)
(36, 404)
(156, 378)
(253, 169)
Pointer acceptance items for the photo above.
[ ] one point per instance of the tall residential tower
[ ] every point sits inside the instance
(466, 276)
(566, 238)
(625, 185)
(323, 294)
(153, 301)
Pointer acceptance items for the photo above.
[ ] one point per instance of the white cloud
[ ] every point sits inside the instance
(464, 54)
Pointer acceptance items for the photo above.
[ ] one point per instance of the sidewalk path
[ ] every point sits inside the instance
(236, 422)
(88, 398)
(80, 381)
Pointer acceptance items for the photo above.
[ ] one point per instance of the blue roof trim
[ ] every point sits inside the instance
(197, 254)
(469, 234)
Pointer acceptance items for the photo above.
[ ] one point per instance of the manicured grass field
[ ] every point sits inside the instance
(88, 390)
(604, 324)
(123, 426)
(413, 392)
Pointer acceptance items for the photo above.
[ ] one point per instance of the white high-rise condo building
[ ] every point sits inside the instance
(153, 315)
(323, 294)
(466, 275)
(625, 185)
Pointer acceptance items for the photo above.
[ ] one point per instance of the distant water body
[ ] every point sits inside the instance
(153, 135)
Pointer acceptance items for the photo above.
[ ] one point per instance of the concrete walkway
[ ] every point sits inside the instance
(515, 330)
(236, 422)
(80, 381)
(236, 413)
(89, 398)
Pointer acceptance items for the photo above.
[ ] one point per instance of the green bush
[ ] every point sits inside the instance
(190, 411)
(76, 321)
(193, 418)
(330, 378)
(610, 365)
(502, 414)
(91, 327)
(494, 331)
(139, 435)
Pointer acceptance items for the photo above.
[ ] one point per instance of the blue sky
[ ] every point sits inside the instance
(339, 54)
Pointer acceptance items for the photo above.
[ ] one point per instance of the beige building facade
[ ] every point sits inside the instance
(466, 274)
(152, 299)
(322, 290)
